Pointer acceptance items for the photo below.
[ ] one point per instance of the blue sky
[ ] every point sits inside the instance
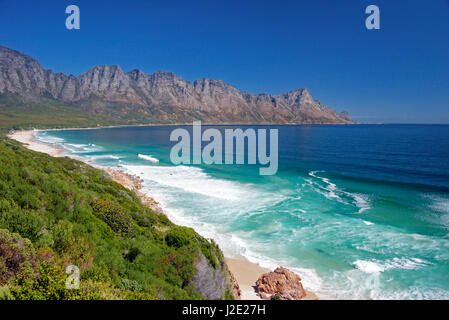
(398, 74)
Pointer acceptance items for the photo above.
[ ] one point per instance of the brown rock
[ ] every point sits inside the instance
(235, 288)
(281, 284)
(135, 184)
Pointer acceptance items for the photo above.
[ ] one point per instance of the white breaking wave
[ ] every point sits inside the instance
(82, 148)
(368, 266)
(332, 192)
(149, 158)
(78, 146)
(105, 156)
(361, 201)
(191, 179)
(44, 137)
(376, 266)
(330, 187)
(369, 285)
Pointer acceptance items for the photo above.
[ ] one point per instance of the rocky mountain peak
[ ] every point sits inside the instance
(15, 58)
(205, 99)
(136, 74)
(163, 76)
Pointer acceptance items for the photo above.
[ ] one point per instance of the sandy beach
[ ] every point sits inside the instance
(28, 139)
(245, 272)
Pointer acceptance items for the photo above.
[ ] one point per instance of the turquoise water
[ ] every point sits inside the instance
(358, 211)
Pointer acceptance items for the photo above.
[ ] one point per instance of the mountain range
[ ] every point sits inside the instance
(107, 92)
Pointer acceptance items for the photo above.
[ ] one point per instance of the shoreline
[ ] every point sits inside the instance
(202, 123)
(245, 272)
(29, 140)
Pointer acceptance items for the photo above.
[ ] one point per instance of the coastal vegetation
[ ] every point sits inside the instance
(17, 113)
(56, 212)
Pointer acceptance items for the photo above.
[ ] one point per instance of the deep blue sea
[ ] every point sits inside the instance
(359, 211)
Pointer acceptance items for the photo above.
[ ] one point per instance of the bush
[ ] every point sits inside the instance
(62, 236)
(28, 224)
(17, 256)
(132, 254)
(5, 294)
(49, 285)
(114, 216)
(131, 285)
(178, 237)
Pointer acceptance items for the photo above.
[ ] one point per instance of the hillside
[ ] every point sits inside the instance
(56, 212)
(108, 95)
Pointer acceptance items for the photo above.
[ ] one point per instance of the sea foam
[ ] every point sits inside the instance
(46, 138)
(148, 158)
(332, 192)
(374, 266)
(190, 179)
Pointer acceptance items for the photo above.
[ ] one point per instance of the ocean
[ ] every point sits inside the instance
(358, 211)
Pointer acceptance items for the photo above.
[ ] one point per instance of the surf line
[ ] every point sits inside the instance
(212, 153)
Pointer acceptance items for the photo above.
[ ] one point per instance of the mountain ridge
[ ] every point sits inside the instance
(163, 96)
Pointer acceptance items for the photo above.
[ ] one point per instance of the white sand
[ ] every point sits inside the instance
(246, 274)
(27, 137)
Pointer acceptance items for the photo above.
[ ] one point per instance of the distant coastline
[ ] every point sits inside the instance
(202, 123)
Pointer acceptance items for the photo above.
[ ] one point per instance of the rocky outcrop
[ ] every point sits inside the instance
(235, 288)
(134, 183)
(281, 284)
(159, 97)
(214, 283)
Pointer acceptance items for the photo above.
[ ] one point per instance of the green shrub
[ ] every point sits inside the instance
(5, 294)
(49, 285)
(132, 254)
(131, 285)
(179, 237)
(114, 216)
(62, 236)
(17, 256)
(28, 224)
